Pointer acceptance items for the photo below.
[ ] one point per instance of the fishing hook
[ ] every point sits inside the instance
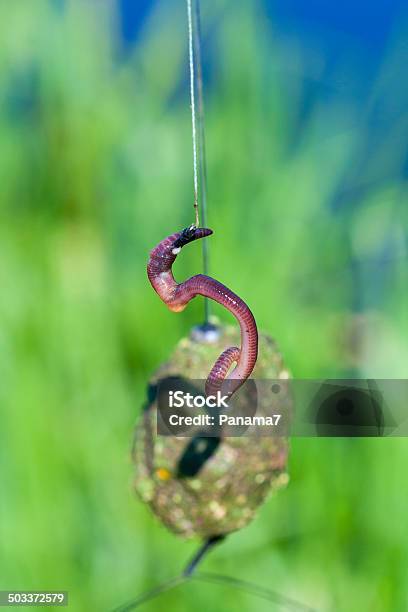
(177, 295)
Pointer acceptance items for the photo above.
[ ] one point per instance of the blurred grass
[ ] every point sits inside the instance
(95, 168)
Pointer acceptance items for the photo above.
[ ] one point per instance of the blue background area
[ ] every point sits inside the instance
(326, 26)
(353, 38)
(133, 15)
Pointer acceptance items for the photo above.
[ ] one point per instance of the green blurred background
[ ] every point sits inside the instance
(310, 228)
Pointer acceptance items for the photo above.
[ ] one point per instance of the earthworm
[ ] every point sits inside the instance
(177, 295)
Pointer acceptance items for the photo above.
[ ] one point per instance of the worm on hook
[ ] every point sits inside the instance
(177, 295)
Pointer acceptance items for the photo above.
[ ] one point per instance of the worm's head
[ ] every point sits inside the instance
(188, 235)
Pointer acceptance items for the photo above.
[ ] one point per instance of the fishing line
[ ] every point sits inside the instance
(190, 574)
(193, 109)
(254, 589)
(197, 120)
(145, 597)
(247, 587)
(202, 148)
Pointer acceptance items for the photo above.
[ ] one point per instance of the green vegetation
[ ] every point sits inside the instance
(95, 166)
